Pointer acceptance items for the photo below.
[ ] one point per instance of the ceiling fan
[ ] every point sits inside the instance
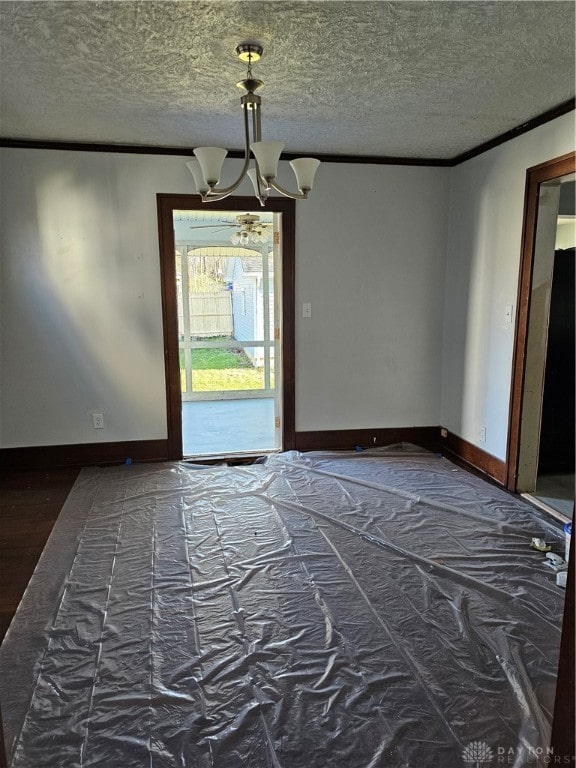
(249, 229)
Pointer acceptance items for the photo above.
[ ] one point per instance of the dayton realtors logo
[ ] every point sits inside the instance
(478, 754)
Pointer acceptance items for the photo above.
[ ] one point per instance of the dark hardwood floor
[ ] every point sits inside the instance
(30, 501)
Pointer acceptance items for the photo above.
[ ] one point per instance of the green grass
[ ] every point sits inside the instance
(219, 370)
(222, 380)
(218, 359)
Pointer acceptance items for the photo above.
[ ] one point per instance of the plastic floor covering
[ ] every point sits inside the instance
(344, 610)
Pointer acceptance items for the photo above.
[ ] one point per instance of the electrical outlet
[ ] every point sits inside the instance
(98, 420)
(307, 309)
(444, 432)
(482, 434)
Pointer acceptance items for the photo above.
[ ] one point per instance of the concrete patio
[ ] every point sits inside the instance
(212, 427)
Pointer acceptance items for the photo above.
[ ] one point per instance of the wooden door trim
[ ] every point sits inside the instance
(552, 169)
(166, 203)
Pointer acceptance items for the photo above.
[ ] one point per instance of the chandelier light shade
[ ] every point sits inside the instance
(304, 169)
(210, 160)
(207, 166)
(196, 171)
(267, 154)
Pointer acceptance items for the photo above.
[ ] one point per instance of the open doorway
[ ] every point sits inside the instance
(228, 293)
(541, 445)
(555, 473)
(228, 299)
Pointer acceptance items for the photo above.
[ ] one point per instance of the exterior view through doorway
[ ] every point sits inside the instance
(228, 298)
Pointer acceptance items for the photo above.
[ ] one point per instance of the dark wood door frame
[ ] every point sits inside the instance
(562, 739)
(560, 166)
(166, 204)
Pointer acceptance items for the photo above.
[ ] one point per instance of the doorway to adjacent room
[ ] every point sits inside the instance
(541, 446)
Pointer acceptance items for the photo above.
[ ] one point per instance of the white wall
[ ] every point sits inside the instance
(81, 326)
(371, 244)
(487, 201)
(81, 323)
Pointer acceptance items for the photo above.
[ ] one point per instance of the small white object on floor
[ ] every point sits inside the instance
(561, 578)
(555, 561)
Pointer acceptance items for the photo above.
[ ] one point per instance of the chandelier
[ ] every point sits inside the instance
(250, 230)
(208, 163)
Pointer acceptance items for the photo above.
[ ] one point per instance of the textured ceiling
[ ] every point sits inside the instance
(413, 79)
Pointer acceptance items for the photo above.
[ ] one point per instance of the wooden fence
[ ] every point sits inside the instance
(210, 314)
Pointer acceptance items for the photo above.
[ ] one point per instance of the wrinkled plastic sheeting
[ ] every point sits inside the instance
(314, 610)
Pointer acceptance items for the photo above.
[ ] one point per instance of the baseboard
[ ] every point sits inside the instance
(348, 439)
(453, 447)
(89, 454)
(83, 454)
(471, 457)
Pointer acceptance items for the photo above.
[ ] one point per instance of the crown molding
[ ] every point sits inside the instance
(146, 149)
(535, 122)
